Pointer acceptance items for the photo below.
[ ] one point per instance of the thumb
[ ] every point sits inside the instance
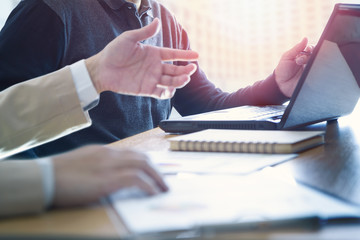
(292, 53)
(145, 32)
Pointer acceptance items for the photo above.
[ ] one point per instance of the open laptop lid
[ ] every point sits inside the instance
(327, 89)
(330, 84)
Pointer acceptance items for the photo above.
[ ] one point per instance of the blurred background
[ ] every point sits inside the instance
(241, 41)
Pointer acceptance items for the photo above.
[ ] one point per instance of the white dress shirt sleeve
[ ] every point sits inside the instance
(47, 172)
(88, 95)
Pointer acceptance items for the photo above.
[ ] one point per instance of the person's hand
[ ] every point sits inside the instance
(126, 66)
(89, 173)
(291, 66)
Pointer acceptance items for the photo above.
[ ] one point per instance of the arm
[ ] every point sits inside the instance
(200, 95)
(46, 108)
(21, 189)
(81, 177)
(39, 110)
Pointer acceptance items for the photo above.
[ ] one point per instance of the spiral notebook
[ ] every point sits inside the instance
(247, 141)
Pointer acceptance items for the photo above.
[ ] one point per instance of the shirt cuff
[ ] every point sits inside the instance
(47, 171)
(87, 93)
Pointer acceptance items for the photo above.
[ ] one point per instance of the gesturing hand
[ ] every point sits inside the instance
(126, 66)
(291, 66)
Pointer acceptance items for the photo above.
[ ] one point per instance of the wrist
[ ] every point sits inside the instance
(92, 67)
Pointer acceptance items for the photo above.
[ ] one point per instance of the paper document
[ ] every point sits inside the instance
(170, 162)
(213, 199)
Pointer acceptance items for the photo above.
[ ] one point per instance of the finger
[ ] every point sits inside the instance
(157, 93)
(149, 169)
(145, 32)
(146, 184)
(131, 178)
(169, 54)
(173, 70)
(175, 82)
(140, 161)
(162, 92)
(134, 160)
(292, 53)
(303, 57)
(309, 48)
(301, 60)
(167, 93)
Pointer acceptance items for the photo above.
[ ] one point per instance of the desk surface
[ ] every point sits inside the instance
(333, 168)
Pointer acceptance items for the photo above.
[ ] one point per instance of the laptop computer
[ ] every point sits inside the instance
(328, 88)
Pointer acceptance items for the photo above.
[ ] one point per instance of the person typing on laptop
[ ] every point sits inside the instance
(45, 108)
(79, 29)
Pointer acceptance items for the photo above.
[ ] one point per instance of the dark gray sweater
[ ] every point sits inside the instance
(42, 36)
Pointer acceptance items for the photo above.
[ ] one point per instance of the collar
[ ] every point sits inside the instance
(145, 6)
(115, 4)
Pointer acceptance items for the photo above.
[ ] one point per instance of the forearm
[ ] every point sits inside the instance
(265, 92)
(28, 120)
(200, 95)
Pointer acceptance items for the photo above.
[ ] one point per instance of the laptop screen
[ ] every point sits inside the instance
(330, 84)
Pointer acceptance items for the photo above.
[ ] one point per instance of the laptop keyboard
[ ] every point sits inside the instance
(273, 112)
(266, 112)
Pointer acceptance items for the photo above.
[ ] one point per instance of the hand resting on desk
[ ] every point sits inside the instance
(87, 174)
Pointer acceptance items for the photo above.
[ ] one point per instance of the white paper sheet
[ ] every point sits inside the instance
(213, 199)
(171, 162)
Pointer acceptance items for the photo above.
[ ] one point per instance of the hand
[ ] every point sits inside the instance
(89, 173)
(129, 67)
(291, 66)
